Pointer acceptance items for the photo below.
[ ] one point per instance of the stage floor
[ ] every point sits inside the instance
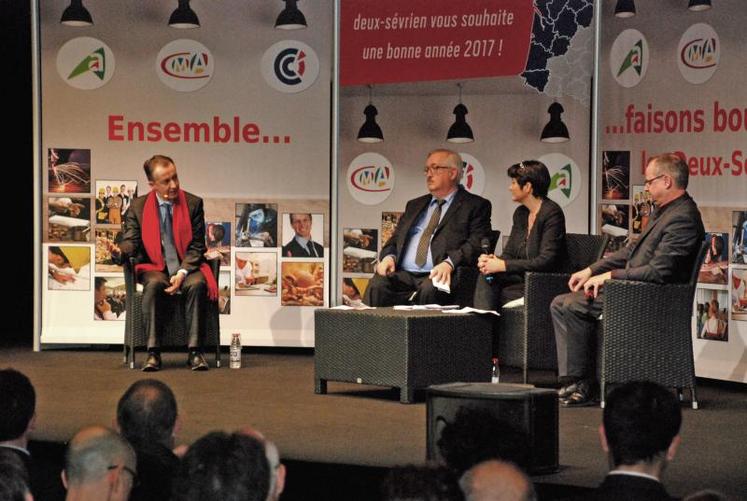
(354, 424)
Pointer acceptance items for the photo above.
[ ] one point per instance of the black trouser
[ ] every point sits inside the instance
(398, 287)
(194, 290)
(503, 288)
(574, 318)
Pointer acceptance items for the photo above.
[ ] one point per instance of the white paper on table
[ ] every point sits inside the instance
(516, 303)
(346, 307)
(468, 309)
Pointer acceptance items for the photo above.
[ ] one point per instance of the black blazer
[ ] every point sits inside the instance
(666, 250)
(294, 249)
(458, 234)
(629, 488)
(131, 243)
(546, 244)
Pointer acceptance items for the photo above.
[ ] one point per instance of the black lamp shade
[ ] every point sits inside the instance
(290, 18)
(698, 5)
(76, 15)
(625, 8)
(184, 17)
(460, 131)
(370, 132)
(555, 131)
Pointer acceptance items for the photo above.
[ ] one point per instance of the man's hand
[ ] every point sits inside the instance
(594, 284)
(442, 273)
(386, 266)
(176, 283)
(578, 279)
(489, 263)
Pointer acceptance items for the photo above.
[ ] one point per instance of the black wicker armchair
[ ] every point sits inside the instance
(525, 334)
(646, 333)
(171, 316)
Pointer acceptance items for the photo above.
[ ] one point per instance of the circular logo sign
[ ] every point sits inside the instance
(565, 178)
(290, 66)
(85, 63)
(370, 178)
(698, 53)
(629, 58)
(473, 176)
(185, 65)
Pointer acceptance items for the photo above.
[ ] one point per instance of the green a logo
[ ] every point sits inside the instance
(634, 59)
(562, 180)
(95, 62)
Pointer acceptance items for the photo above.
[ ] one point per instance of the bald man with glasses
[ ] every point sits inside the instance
(437, 233)
(663, 254)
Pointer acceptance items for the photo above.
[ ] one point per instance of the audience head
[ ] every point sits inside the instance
(18, 407)
(99, 464)
(226, 467)
(533, 172)
(706, 495)
(14, 479)
(477, 435)
(146, 413)
(495, 480)
(641, 424)
(424, 482)
(277, 469)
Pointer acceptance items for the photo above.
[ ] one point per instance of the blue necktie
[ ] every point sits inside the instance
(167, 240)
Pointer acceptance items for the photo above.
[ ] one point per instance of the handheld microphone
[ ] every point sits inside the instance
(485, 246)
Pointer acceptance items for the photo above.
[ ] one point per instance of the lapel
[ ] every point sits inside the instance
(458, 200)
(656, 221)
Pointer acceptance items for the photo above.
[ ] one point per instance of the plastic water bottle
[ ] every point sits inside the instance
(496, 377)
(234, 356)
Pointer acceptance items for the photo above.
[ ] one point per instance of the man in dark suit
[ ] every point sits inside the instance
(165, 232)
(640, 434)
(664, 253)
(147, 417)
(302, 245)
(437, 233)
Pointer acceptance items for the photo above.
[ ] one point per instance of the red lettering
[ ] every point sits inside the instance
(236, 129)
(736, 163)
(135, 128)
(115, 128)
(221, 131)
(250, 133)
(171, 132)
(192, 130)
(154, 131)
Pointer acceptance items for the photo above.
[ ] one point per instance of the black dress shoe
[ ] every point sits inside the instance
(153, 363)
(196, 361)
(567, 390)
(584, 396)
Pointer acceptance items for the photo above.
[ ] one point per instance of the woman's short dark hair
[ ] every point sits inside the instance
(531, 171)
(219, 232)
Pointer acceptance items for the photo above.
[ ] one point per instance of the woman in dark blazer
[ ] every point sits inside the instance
(537, 239)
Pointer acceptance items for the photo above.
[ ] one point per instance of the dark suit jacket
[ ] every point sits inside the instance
(628, 488)
(131, 243)
(458, 234)
(294, 249)
(156, 468)
(546, 243)
(666, 250)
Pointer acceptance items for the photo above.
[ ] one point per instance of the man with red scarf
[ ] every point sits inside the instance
(165, 232)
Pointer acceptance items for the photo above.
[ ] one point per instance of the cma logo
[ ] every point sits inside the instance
(371, 178)
(186, 65)
(700, 53)
(94, 63)
(562, 180)
(290, 66)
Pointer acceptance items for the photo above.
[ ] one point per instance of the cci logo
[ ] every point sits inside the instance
(629, 58)
(290, 66)
(698, 53)
(370, 178)
(85, 63)
(184, 65)
(565, 178)
(473, 176)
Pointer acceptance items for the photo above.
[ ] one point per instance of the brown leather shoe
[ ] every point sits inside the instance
(196, 361)
(153, 363)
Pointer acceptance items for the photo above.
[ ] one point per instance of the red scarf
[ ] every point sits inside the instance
(182, 227)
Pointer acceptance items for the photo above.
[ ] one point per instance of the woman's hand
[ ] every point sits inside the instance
(489, 263)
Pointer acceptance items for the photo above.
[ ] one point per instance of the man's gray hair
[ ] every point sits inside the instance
(674, 166)
(89, 459)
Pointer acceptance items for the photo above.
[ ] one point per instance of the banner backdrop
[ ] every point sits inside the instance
(673, 86)
(241, 107)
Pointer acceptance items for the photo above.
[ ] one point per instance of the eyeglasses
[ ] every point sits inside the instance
(135, 480)
(431, 169)
(649, 181)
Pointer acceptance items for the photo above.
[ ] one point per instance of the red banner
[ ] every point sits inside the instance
(388, 41)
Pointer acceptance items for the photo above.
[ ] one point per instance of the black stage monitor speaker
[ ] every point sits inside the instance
(515, 421)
